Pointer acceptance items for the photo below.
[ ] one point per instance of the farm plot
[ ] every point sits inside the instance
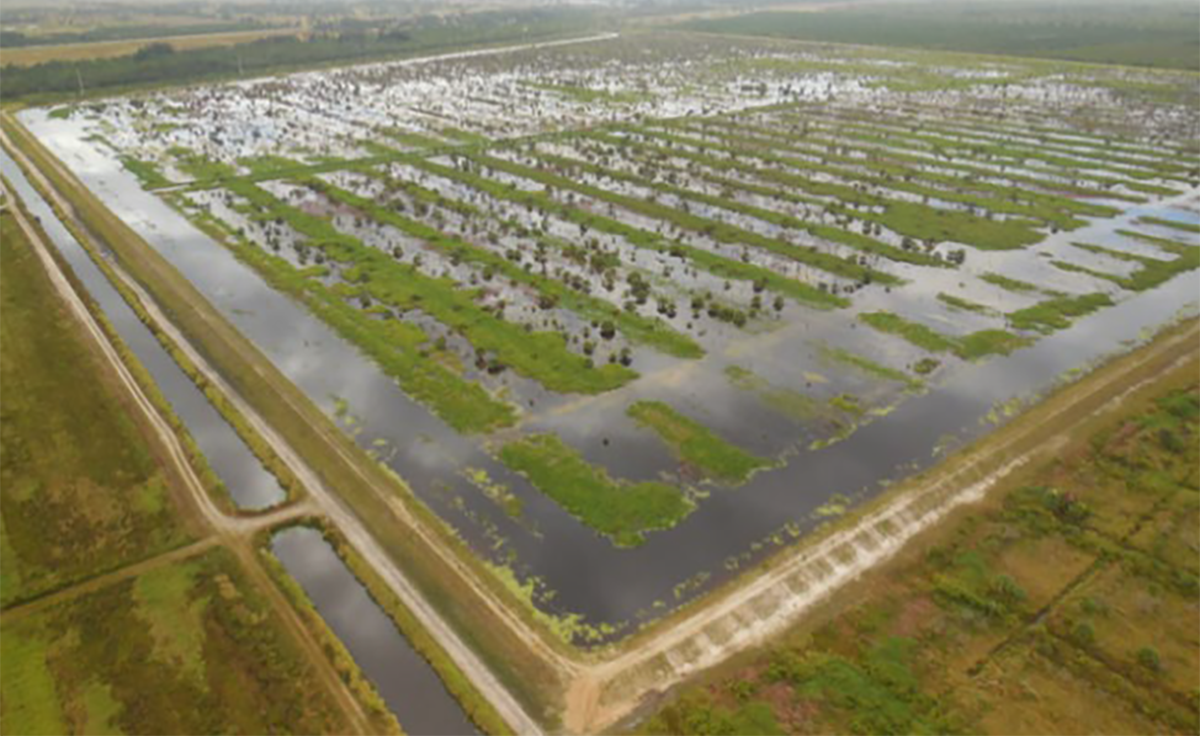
(188, 647)
(678, 266)
(83, 492)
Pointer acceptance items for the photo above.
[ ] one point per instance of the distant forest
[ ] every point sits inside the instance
(1157, 33)
(159, 64)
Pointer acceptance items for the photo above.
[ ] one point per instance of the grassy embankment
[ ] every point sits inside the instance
(620, 510)
(971, 630)
(697, 445)
(81, 489)
(434, 558)
(477, 708)
(188, 647)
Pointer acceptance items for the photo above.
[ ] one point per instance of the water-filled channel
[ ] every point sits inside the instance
(586, 572)
(406, 682)
(249, 484)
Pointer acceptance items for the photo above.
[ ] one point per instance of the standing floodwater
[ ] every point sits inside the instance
(407, 683)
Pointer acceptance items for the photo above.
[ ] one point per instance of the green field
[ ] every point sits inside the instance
(80, 489)
(1159, 33)
(189, 647)
(976, 633)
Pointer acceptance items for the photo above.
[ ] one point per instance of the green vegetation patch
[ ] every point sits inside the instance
(188, 647)
(958, 302)
(1187, 227)
(146, 172)
(696, 444)
(589, 95)
(396, 346)
(620, 510)
(869, 367)
(1152, 273)
(80, 490)
(1009, 284)
(1056, 314)
(968, 347)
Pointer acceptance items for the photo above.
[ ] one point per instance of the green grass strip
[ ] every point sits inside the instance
(869, 367)
(1055, 314)
(968, 347)
(958, 302)
(1186, 227)
(1153, 271)
(620, 510)
(1016, 286)
(696, 444)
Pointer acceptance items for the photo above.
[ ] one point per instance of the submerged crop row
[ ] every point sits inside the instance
(594, 234)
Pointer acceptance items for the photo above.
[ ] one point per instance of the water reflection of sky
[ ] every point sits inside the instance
(586, 572)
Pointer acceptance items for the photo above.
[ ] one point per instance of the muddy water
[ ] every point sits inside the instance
(588, 574)
(406, 682)
(251, 487)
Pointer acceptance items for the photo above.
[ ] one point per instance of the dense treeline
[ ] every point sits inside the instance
(160, 64)
(16, 39)
(1157, 33)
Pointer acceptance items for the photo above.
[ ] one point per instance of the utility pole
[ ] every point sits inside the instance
(79, 78)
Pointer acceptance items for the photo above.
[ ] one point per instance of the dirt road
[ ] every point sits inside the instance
(235, 532)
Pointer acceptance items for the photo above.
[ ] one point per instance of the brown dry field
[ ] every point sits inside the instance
(29, 55)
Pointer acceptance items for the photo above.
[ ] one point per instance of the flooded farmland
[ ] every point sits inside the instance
(629, 316)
